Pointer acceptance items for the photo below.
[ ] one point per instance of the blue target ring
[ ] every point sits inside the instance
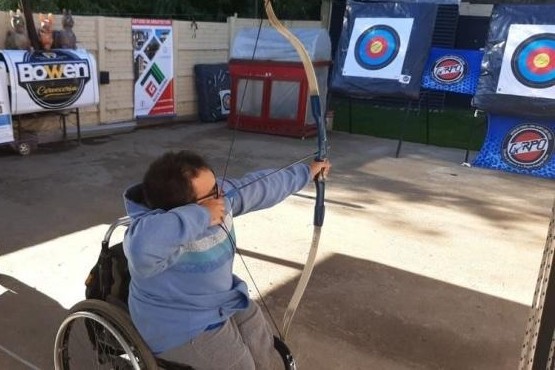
(377, 47)
(533, 62)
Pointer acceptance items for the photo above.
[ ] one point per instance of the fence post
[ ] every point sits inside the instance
(538, 349)
(175, 40)
(101, 61)
(231, 22)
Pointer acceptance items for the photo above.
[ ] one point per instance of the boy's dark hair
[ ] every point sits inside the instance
(167, 182)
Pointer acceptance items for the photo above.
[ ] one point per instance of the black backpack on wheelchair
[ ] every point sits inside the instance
(108, 281)
(109, 278)
(98, 332)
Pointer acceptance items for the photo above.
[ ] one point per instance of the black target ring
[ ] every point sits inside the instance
(377, 47)
(226, 101)
(533, 61)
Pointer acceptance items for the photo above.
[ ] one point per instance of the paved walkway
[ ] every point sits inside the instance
(423, 263)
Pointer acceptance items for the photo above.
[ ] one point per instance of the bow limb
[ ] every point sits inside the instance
(321, 155)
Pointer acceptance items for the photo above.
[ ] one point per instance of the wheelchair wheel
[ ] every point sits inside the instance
(99, 335)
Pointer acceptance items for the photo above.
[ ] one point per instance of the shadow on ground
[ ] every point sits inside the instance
(363, 310)
(27, 334)
(417, 322)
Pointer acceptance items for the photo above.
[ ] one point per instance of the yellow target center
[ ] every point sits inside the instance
(376, 47)
(542, 60)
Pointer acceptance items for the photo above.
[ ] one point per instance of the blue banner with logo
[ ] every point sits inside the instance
(453, 70)
(519, 145)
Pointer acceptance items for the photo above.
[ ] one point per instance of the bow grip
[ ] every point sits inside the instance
(319, 208)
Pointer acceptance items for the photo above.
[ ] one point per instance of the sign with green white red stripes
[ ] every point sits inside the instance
(153, 67)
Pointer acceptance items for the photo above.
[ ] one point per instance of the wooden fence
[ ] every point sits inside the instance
(109, 40)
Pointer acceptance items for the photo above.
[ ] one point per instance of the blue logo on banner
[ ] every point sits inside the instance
(5, 120)
(519, 145)
(452, 70)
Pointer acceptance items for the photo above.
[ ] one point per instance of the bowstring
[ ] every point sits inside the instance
(234, 136)
(224, 177)
(235, 249)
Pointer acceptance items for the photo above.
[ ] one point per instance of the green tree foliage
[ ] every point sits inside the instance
(40, 6)
(297, 9)
(201, 10)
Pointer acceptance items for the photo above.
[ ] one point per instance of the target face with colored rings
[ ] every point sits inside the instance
(533, 62)
(377, 47)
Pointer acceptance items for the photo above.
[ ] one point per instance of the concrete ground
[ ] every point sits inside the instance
(423, 263)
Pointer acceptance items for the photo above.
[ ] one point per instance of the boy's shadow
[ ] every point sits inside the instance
(29, 323)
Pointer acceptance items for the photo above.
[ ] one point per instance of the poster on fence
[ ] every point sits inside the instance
(153, 67)
(520, 145)
(6, 129)
(51, 80)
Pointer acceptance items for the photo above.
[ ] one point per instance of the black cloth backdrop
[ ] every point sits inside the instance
(419, 44)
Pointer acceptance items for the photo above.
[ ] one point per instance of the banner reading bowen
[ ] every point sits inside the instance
(519, 145)
(153, 67)
(51, 80)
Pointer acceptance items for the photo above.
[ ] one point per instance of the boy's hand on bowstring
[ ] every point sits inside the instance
(316, 167)
(216, 208)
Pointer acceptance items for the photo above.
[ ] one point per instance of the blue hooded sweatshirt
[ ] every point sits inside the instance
(181, 267)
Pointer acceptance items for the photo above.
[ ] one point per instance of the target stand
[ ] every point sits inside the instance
(452, 70)
(402, 125)
(481, 122)
(539, 340)
(375, 53)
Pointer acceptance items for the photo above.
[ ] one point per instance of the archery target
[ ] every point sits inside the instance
(377, 47)
(533, 62)
(528, 67)
(225, 101)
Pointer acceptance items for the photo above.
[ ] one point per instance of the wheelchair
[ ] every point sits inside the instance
(98, 332)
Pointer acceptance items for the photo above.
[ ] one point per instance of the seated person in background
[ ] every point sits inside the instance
(184, 298)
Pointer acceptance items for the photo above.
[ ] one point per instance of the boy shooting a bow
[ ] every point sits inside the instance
(184, 299)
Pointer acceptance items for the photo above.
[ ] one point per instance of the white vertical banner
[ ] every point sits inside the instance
(153, 66)
(6, 128)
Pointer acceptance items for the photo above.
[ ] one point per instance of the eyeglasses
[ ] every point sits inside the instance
(214, 193)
